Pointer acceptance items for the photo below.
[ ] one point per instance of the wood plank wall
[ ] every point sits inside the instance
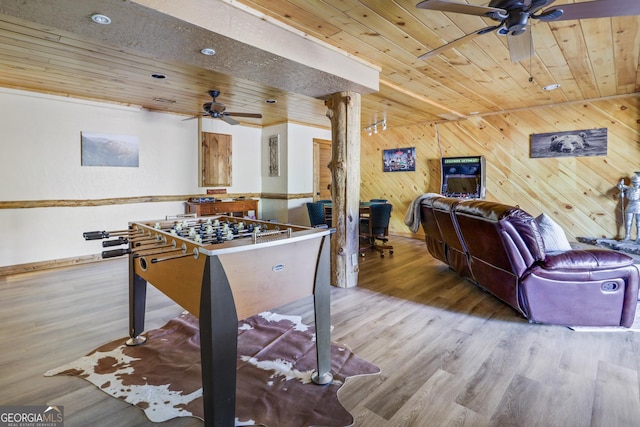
(578, 192)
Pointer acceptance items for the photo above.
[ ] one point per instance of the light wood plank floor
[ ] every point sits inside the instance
(450, 354)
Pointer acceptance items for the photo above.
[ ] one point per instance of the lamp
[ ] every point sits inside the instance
(373, 128)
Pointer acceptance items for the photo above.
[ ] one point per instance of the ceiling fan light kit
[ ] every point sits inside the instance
(514, 16)
(217, 110)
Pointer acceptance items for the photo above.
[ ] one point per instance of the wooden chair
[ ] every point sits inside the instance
(376, 229)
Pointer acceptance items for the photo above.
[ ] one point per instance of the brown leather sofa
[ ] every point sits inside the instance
(500, 248)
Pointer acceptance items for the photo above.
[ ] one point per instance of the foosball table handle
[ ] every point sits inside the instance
(95, 235)
(117, 242)
(115, 253)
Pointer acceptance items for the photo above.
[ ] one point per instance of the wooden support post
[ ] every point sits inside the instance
(344, 113)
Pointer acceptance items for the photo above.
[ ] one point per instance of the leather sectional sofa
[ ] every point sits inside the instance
(501, 249)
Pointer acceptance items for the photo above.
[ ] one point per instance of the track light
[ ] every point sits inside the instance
(373, 128)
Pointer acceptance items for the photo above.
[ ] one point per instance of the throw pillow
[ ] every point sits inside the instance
(552, 234)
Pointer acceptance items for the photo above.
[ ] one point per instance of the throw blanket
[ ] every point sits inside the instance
(276, 357)
(412, 217)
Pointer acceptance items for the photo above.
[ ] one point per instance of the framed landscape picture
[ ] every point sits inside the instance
(101, 149)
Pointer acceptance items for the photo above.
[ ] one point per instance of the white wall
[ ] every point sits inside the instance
(40, 160)
(296, 171)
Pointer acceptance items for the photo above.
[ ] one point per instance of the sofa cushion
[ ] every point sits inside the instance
(592, 259)
(552, 234)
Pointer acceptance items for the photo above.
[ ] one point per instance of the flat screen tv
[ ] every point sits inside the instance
(463, 177)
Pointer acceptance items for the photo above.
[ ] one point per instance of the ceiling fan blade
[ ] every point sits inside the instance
(228, 119)
(457, 7)
(521, 46)
(250, 115)
(457, 42)
(536, 5)
(194, 117)
(598, 9)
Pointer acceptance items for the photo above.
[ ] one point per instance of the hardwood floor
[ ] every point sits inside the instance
(450, 354)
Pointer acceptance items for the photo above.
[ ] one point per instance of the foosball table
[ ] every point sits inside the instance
(222, 269)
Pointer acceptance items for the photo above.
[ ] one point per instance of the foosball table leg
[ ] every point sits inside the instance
(137, 306)
(218, 346)
(322, 309)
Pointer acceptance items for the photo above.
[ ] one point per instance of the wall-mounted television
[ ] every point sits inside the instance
(463, 177)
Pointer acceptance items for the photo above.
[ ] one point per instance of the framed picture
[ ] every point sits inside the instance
(399, 160)
(577, 143)
(102, 149)
(274, 155)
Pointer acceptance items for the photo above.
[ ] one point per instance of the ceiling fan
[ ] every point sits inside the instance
(217, 109)
(512, 17)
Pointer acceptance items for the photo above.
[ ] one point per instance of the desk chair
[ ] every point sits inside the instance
(376, 229)
(316, 213)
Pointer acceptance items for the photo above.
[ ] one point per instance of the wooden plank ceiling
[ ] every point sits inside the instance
(589, 59)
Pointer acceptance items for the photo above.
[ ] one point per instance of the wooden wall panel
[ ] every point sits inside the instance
(578, 192)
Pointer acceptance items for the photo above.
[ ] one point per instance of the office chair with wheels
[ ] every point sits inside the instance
(376, 229)
(316, 214)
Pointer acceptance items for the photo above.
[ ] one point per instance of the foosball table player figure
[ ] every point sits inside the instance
(223, 269)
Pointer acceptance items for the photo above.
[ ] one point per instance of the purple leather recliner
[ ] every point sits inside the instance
(506, 256)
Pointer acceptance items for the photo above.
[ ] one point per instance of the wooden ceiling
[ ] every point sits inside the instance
(589, 59)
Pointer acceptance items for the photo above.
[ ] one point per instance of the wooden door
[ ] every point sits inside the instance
(321, 172)
(215, 159)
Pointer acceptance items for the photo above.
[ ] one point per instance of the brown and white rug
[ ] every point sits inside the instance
(276, 356)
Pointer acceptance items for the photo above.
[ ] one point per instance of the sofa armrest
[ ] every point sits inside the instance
(585, 259)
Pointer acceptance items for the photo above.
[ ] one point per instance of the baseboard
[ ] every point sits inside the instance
(46, 265)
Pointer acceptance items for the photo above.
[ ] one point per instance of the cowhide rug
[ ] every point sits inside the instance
(276, 356)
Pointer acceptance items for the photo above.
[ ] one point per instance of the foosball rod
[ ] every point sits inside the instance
(99, 235)
(124, 241)
(156, 252)
(169, 258)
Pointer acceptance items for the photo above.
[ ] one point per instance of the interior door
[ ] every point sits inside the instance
(321, 172)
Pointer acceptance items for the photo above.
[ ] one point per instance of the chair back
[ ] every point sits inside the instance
(378, 200)
(316, 213)
(379, 217)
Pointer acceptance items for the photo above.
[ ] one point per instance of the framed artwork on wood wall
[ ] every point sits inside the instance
(399, 160)
(577, 143)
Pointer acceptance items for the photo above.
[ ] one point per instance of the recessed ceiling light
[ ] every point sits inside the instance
(158, 76)
(101, 19)
(270, 101)
(551, 87)
(208, 51)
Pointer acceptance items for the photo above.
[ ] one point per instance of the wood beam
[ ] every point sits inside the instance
(344, 113)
